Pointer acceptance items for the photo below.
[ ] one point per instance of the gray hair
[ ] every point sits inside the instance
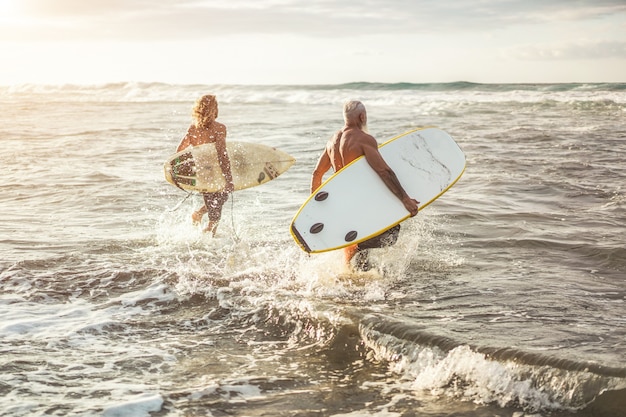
(352, 108)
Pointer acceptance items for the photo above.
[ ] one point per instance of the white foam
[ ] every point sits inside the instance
(464, 374)
(155, 291)
(367, 413)
(36, 320)
(140, 406)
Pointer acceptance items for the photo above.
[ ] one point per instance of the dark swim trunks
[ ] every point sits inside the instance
(214, 203)
(389, 237)
(386, 238)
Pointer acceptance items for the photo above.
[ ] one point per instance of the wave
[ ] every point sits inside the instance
(406, 332)
(441, 366)
(357, 85)
(506, 376)
(242, 304)
(401, 93)
(472, 86)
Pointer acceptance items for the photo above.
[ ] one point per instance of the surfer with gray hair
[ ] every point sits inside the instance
(205, 129)
(346, 145)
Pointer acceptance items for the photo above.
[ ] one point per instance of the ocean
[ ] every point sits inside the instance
(505, 297)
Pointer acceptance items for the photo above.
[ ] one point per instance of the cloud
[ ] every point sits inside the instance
(75, 8)
(193, 19)
(569, 51)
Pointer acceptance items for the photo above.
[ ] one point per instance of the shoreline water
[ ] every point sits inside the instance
(504, 297)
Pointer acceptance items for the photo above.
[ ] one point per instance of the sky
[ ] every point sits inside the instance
(311, 41)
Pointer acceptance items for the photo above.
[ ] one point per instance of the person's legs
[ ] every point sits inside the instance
(361, 260)
(349, 252)
(360, 252)
(196, 216)
(214, 202)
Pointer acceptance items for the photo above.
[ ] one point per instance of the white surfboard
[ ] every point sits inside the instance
(197, 168)
(354, 204)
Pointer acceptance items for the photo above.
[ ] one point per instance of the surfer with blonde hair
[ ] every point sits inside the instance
(205, 129)
(346, 145)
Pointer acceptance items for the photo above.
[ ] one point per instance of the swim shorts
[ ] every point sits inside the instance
(387, 238)
(214, 203)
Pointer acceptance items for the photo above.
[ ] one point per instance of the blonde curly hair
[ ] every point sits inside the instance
(205, 111)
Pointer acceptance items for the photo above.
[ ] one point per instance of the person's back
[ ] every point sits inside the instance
(197, 135)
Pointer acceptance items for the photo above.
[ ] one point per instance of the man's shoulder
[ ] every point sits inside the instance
(357, 138)
(363, 138)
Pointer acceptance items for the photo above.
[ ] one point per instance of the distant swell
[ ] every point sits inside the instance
(582, 96)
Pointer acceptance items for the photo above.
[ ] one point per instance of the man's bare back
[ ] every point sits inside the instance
(347, 145)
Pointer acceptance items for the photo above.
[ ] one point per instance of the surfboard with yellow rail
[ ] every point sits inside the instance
(354, 204)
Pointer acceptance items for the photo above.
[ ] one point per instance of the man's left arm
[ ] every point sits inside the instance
(323, 165)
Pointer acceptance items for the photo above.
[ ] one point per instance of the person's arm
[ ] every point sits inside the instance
(184, 143)
(384, 171)
(224, 160)
(323, 165)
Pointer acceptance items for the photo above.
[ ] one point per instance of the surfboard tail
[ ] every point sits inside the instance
(298, 237)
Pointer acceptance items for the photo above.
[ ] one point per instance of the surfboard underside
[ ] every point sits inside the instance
(354, 204)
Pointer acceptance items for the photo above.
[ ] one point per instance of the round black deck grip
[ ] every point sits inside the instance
(350, 236)
(321, 196)
(316, 228)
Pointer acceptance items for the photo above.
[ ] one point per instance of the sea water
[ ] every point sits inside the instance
(505, 297)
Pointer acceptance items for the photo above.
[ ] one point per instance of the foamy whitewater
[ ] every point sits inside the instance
(505, 297)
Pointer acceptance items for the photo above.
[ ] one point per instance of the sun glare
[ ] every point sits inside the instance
(8, 10)
(6, 7)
